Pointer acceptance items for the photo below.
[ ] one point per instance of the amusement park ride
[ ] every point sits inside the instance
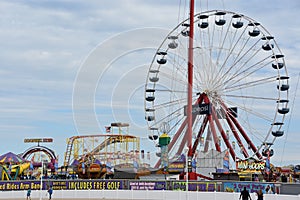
(219, 80)
(112, 154)
(12, 171)
(14, 166)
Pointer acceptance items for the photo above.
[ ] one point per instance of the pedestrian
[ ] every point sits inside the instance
(270, 190)
(245, 194)
(28, 194)
(267, 189)
(260, 195)
(50, 191)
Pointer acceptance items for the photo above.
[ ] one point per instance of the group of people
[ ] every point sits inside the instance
(245, 195)
(50, 191)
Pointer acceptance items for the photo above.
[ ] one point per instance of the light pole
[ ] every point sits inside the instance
(42, 172)
(41, 184)
(186, 169)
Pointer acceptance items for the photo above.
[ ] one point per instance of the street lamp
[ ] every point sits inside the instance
(41, 183)
(42, 172)
(186, 150)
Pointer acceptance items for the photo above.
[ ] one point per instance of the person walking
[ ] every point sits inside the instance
(50, 191)
(270, 190)
(245, 194)
(260, 195)
(28, 194)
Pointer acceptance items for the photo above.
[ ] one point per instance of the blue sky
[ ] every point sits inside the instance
(46, 44)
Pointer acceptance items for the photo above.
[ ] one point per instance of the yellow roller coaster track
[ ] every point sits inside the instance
(108, 141)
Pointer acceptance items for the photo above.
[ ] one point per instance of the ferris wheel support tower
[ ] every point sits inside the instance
(190, 78)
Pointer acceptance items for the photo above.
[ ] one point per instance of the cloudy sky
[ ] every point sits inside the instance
(47, 47)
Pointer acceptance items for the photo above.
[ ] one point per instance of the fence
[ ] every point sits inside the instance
(138, 195)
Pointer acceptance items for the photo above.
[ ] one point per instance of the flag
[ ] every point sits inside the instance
(107, 129)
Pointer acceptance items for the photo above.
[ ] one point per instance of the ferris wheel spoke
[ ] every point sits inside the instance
(247, 72)
(223, 42)
(252, 97)
(165, 104)
(252, 111)
(170, 91)
(170, 117)
(237, 56)
(241, 71)
(211, 44)
(241, 55)
(231, 50)
(244, 50)
(249, 84)
(242, 75)
(178, 122)
(169, 103)
(174, 79)
(235, 66)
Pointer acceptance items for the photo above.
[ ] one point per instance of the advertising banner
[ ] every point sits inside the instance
(147, 185)
(62, 185)
(250, 186)
(194, 186)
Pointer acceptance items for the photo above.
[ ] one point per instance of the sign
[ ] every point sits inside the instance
(106, 185)
(147, 185)
(250, 186)
(93, 185)
(251, 165)
(200, 109)
(37, 140)
(176, 167)
(63, 185)
(194, 186)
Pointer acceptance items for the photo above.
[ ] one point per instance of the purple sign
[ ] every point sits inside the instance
(63, 185)
(195, 186)
(147, 185)
(251, 187)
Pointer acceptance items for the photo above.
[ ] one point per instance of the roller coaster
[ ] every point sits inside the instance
(92, 156)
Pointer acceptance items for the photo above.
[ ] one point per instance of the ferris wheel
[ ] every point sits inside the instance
(240, 86)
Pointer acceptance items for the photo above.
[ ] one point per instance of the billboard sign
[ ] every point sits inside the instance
(200, 109)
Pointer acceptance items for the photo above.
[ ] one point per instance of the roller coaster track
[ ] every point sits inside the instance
(111, 139)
